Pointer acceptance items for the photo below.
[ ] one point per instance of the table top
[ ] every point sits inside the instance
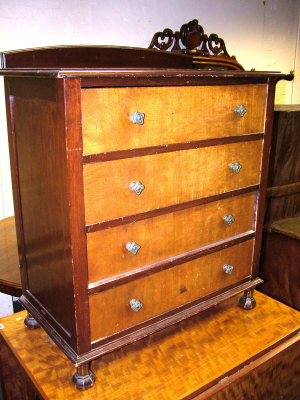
(179, 362)
(289, 226)
(10, 280)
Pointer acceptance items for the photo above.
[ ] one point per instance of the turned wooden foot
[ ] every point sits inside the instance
(247, 301)
(30, 322)
(83, 377)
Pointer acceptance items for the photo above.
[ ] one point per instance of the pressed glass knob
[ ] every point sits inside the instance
(136, 305)
(241, 110)
(136, 187)
(236, 167)
(137, 118)
(228, 219)
(133, 247)
(228, 268)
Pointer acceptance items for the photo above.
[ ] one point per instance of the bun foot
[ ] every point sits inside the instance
(247, 301)
(31, 323)
(83, 378)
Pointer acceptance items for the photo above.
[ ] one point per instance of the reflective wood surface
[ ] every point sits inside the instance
(257, 352)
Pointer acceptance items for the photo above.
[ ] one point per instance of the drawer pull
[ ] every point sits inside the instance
(228, 219)
(136, 305)
(236, 167)
(136, 187)
(241, 110)
(137, 118)
(228, 268)
(133, 247)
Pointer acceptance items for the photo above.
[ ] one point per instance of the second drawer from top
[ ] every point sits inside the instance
(113, 189)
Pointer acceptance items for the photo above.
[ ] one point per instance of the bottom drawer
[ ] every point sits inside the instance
(110, 310)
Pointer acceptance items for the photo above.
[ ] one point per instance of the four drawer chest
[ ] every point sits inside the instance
(139, 186)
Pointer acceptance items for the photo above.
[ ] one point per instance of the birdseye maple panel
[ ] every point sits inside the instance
(110, 310)
(166, 235)
(169, 178)
(172, 115)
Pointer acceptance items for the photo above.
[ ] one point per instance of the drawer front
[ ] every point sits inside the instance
(172, 115)
(110, 311)
(166, 235)
(169, 178)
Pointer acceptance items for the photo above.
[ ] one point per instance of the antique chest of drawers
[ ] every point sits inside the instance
(139, 192)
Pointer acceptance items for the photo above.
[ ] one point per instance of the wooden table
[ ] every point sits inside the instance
(221, 353)
(10, 280)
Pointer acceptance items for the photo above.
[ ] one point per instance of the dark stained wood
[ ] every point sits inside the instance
(70, 113)
(284, 159)
(11, 129)
(281, 260)
(207, 50)
(93, 57)
(10, 279)
(175, 78)
(284, 190)
(209, 356)
(260, 211)
(114, 77)
(41, 202)
(284, 175)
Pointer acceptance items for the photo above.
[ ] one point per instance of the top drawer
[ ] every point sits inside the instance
(172, 115)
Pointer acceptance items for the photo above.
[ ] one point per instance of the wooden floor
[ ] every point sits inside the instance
(222, 353)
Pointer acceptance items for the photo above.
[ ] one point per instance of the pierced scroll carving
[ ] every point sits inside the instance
(192, 40)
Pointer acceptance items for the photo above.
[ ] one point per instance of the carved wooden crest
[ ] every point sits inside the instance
(192, 40)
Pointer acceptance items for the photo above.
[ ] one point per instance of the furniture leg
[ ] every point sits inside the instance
(247, 301)
(30, 322)
(83, 377)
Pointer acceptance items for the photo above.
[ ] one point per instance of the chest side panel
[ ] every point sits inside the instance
(41, 200)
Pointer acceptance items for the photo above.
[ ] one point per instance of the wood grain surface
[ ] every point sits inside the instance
(179, 362)
(172, 114)
(43, 193)
(169, 178)
(10, 279)
(166, 235)
(110, 310)
(281, 283)
(284, 175)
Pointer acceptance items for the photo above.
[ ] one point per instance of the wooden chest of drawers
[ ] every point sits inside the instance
(139, 197)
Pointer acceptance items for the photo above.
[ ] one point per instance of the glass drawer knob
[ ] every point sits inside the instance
(236, 167)
(137, 118)
(241, 110)
(228, 269)
(136, 305)
(136, 187)
(228, 219)
(133, 247)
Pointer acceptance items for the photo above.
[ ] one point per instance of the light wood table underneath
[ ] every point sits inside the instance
(10, 280)
(221, 353)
